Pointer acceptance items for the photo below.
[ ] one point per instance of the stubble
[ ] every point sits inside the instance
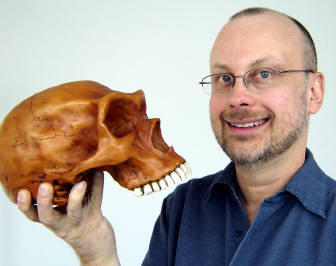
(279, 141)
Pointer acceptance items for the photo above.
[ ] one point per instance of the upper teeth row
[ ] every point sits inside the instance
(252, 124)
(180, 174)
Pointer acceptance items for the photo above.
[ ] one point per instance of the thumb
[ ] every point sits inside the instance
(96, 194)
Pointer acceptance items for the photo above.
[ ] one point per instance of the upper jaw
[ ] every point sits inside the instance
(179, 174)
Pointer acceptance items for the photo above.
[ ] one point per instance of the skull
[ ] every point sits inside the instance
(63, 133)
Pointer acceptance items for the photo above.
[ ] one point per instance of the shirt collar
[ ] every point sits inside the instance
(309, 185)
(225, 178)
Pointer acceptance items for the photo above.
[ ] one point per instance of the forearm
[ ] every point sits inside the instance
(103, 256)
(102, 247)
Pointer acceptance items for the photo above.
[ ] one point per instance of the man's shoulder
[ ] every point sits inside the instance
(330, 196)
(331, 185)
(195, 190)
(187, 197)
(194, 185)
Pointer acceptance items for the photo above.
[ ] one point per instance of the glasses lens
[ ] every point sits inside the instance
(206, 85)
(222, 83)
(217, 83)
(262, 78)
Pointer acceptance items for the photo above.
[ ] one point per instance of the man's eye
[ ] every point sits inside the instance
(225, 78)
(264, 74)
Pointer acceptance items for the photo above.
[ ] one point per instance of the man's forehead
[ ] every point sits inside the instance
(265, 34)
(266, 20)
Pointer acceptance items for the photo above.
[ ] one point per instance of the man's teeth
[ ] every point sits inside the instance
(180, 174)
(252, 124)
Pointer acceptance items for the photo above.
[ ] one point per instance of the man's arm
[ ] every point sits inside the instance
(84, 228)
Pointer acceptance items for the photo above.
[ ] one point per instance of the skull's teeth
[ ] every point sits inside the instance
(180, 174)
(169, 180)
(147, 189)
(175, 176)
(163, 184)
(186, 169)
(137, 192)
(155, 186)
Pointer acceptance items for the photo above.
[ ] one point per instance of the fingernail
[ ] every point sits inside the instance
(21, 197)
(43, 190)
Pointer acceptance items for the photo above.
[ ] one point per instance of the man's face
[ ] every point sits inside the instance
(251, 127)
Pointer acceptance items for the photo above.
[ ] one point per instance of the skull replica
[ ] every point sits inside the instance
(62, 133)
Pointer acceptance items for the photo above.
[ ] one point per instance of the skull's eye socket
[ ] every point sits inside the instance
(121, 117)
(157, 139)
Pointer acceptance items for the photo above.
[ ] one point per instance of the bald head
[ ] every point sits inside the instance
(258, 38)
(308, 47)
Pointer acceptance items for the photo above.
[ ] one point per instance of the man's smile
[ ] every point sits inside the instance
(248, 124)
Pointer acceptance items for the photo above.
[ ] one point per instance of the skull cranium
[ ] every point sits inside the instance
(62, 133)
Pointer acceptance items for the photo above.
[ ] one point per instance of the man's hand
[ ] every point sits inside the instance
(84, 228)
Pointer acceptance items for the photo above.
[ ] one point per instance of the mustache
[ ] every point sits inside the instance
(242, 114)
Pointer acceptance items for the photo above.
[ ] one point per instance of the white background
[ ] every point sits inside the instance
(161, 47)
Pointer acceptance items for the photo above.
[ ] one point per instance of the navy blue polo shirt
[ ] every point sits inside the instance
(203, 223)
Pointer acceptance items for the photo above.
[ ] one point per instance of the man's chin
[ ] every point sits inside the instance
(246, 156)
(245, 160)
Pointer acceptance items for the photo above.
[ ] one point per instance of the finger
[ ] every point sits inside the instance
(75, 206)
(47, 215)
(96, 196)
(24, 202)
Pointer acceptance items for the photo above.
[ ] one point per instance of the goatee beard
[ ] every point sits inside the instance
(276, 145)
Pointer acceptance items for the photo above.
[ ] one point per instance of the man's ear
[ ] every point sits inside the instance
(315, 92)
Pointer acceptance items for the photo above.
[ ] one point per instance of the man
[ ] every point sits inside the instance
(272, 204)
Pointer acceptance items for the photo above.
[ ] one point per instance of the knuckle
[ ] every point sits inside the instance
(46, 219)
(75, 219)
(46, 215)
(74, 213)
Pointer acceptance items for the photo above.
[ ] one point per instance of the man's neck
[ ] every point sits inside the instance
(259, 183)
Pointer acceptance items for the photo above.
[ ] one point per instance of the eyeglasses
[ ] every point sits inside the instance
(262, 78)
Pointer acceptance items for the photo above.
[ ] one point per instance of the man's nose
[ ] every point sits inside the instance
(240, 95)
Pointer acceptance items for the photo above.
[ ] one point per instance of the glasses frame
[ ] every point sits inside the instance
(245, 80)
